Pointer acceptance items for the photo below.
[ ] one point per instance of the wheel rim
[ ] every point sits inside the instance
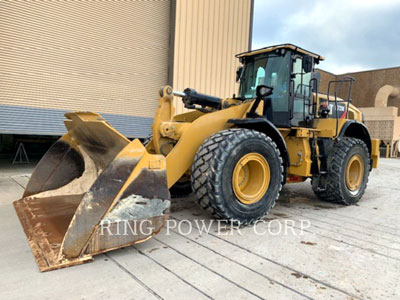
(251, 178)
(354, 172)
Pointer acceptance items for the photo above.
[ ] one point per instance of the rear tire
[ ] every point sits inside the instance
(216, 182)
(348, 171)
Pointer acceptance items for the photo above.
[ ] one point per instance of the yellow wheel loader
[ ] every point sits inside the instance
(235, 154)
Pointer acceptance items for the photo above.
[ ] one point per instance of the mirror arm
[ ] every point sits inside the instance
(239, 73)
(252, 113)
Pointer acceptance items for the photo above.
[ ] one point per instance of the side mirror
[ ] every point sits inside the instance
(263, 91)
(239, 72)
(307, 64)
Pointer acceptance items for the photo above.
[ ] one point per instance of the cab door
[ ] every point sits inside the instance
(301, 115)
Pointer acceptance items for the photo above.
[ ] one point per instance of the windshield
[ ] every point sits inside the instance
(271, 70)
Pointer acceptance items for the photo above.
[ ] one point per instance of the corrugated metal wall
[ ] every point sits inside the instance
(208, 34)
(16, 119)
(107, 56)
(112, 56)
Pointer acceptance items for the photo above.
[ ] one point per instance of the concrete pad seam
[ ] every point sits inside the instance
(211, 270)
(176, 275)
(356, 238)
(18, 183)
(134, 277)
(366, 221)
(347, 243)
(319, 215)
(242, 265)
(284, 266)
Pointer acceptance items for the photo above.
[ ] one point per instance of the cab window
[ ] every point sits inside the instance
(301, 85)
(271, 70)
(301, 79)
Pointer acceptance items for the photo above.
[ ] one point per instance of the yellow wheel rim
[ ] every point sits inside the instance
(354, 172)
(251, 178)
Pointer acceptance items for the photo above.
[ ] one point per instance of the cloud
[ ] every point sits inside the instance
(352, 35)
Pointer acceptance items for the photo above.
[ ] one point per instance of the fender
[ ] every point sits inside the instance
(355, 129)
(265, 126)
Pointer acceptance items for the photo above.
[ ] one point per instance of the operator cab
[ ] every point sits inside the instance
(289, 70)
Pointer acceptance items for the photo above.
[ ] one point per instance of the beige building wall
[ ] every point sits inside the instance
(325, 78)
(103, 56)
(208, 35)
(366, 85)
(112, 57)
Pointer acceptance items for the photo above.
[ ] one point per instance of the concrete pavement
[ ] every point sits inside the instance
(344, 253)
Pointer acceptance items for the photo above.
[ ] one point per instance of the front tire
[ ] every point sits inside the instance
(348, 171)
(237, 175)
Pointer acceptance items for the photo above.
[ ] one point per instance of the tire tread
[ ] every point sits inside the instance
(334, 192)
(207, 168)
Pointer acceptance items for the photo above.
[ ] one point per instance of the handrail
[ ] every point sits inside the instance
(337, 89)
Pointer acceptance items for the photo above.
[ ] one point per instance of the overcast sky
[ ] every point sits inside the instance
(353, 35)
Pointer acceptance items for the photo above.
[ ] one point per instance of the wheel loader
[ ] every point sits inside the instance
(235, 154)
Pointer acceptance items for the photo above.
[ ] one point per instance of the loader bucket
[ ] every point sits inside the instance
(93, 191)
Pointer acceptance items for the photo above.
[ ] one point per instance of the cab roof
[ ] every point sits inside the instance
(282, 46)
